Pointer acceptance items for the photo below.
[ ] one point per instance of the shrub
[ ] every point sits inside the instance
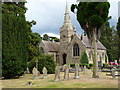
(43, 61)
(105, 64)
(72, 65)
(84, 59)
(90, 65)
(83, 64)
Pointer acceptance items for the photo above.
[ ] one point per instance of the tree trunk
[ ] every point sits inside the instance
(95, 61)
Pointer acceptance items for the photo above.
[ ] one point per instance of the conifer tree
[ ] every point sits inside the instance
(91, 16)
(14, 39)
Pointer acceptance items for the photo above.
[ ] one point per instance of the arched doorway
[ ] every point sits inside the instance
(64, 58)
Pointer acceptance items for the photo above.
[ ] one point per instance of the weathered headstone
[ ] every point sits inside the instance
(57, 74)
(66, 72)
(44, 72)
(84, 70)
(76, 71)
(64, 67)
(35, 73)
(27, 71)
(38, 73)
(113, 72)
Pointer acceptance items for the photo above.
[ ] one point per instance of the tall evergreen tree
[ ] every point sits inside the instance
(14, 39)
(106, 38)
(84, 59)
(118, 32)
(91, 16)
(110, 39)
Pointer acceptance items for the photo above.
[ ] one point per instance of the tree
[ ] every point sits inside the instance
(118, 33)
(91, 16)
(46, 37)
(50, 38)
(54, 39)
(110, 40)
(34, 40)
(14, 42)
(106, 38)
(84, 59)
(44, 61)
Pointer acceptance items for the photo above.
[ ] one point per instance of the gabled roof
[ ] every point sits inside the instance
(87, 44)
(52, 46)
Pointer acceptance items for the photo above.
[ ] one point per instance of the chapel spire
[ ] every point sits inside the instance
(67, 20)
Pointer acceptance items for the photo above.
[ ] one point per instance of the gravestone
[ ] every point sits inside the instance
(57, 74)
(44, 72)
(113, 72)
(35, 73)
(66, 72)
(84, 70)
(64, 67)
(76, 71)
(38, 73)
(27, 71)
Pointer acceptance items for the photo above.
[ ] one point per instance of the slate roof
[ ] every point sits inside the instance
(87, 44)
(52, 46)
(55, 46)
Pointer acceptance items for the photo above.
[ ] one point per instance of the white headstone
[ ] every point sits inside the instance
(76, 71)
(84, 70)
(27, 71)
(35, 73)
(44, 72)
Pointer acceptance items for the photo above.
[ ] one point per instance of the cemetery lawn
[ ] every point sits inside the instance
(85, 81)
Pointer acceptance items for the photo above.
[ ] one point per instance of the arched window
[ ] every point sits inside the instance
(76, 50)
(41, 50)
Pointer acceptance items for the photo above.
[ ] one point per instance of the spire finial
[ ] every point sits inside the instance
(66, 7)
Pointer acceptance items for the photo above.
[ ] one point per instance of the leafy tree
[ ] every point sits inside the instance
(118, 33)
(91, 16)
(84, 59)
(34, 40)
(106, 38)
(43, 61)
(115, 45)
(14, 42)
(109, 39)
(46, 37)
(50, 38)
(54, 39)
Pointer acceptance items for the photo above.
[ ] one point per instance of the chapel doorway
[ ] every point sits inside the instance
(64, 58)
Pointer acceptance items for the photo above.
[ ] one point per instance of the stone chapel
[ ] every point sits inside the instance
(71, 45)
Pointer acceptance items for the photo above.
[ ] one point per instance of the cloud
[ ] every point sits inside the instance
(51, 34)
(49, 15)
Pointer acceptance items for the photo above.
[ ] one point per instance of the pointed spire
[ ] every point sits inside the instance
(67, 20)
(66, 11)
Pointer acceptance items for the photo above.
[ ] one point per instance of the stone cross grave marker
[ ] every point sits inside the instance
(44, 72)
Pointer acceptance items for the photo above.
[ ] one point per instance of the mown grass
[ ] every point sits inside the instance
(85, 81)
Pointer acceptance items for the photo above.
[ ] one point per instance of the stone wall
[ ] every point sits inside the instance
(70, 57)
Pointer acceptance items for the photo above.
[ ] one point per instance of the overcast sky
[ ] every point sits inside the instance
(49, 15)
